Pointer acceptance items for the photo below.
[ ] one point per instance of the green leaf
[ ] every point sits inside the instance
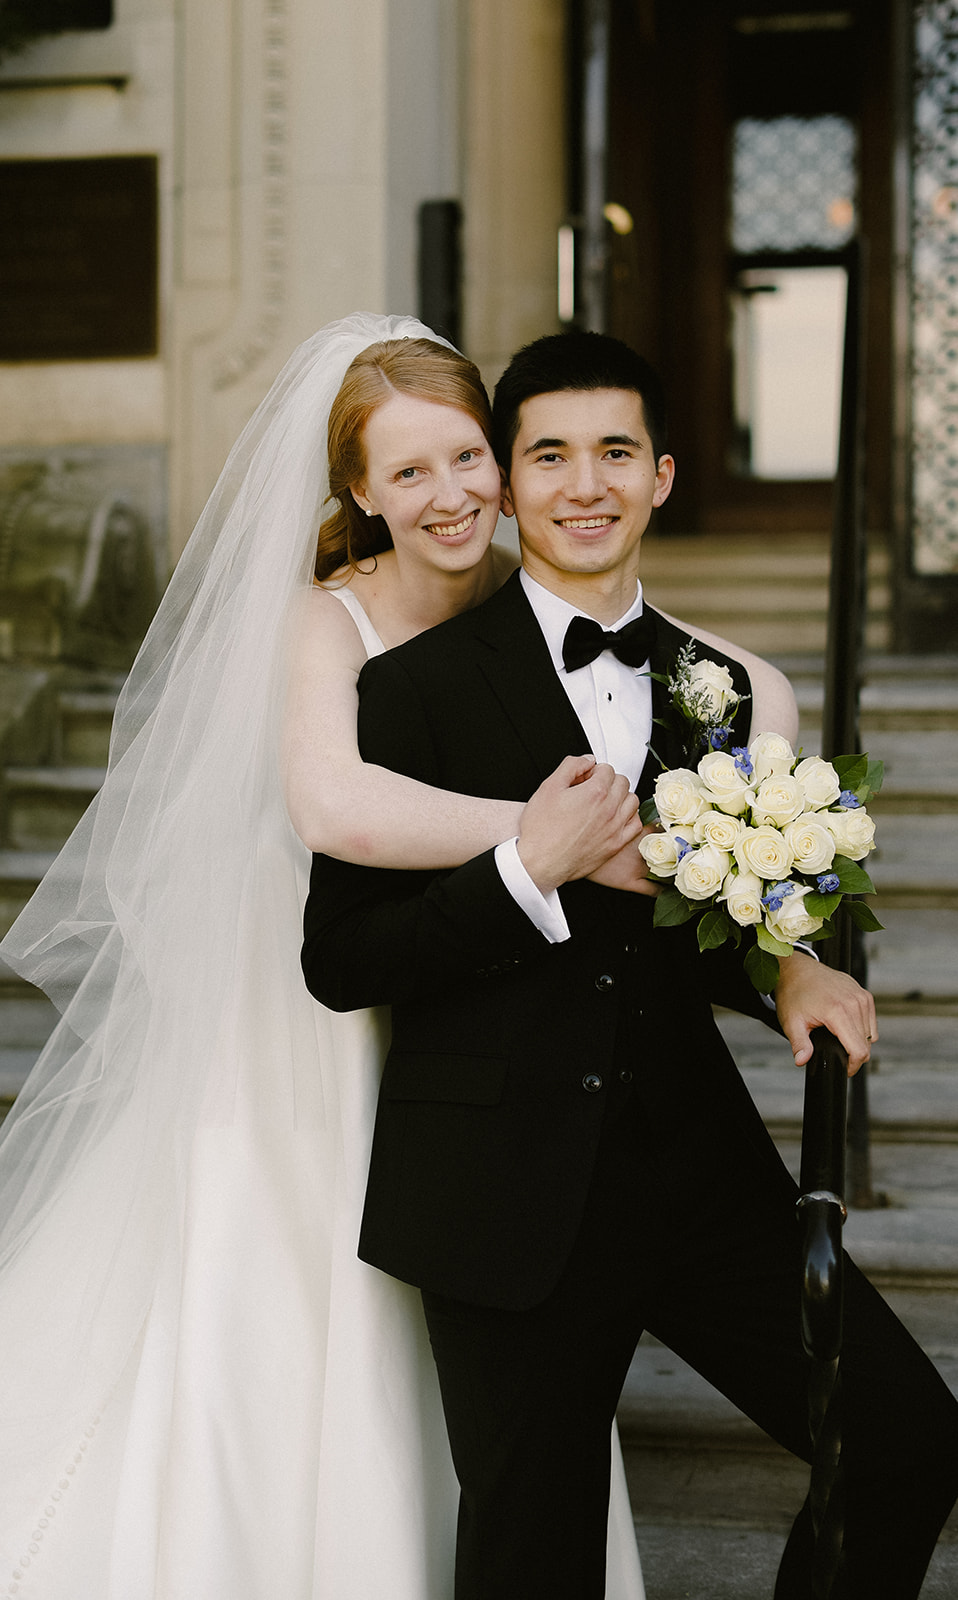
(671, 909)
(714, 928)
(768, 942)
(875, 777)
(648, 811)
(761, 969)
(852, 770)
(852, 879)
(821, 905)
(863, 916)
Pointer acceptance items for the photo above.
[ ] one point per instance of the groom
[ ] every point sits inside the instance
(564, 1152)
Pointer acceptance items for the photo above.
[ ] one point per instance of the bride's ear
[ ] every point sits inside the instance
(358, 492)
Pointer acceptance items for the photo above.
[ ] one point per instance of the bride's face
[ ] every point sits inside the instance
(431, 473)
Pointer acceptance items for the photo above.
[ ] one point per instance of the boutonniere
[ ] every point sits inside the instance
(702, 702)
(756, 839)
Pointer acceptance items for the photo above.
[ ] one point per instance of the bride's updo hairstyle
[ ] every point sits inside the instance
(417, 367)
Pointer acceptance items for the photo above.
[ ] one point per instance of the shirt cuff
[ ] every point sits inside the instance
(544, 911)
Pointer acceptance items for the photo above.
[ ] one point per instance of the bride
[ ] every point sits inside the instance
(203, 1392)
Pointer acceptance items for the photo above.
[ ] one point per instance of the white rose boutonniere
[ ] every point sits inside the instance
(758, 839)
(703, 700)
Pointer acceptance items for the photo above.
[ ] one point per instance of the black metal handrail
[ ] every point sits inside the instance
(821, 1207)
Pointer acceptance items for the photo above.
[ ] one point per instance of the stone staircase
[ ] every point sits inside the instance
(54, 741)
(713, 1498)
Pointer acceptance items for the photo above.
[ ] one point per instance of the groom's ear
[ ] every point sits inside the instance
(505, 501)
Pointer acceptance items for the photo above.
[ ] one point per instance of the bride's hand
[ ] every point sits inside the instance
(628, 869)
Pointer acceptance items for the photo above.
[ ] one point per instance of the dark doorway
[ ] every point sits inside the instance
(747, 143)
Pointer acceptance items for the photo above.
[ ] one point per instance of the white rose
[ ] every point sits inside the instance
(811, 843)
(661, 851)
(778, 799)
(726, 788)
(679, 796)
(714, 827)
(770, 753)
(764, 851)
(791, 921)
(702, 872)
(712, 689)
(853, 832)
(742, 894)
(819, 780)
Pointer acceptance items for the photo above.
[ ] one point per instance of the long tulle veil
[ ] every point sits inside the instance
(167, 933)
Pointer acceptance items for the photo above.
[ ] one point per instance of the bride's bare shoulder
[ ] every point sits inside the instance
(774, 707)
(322, 631)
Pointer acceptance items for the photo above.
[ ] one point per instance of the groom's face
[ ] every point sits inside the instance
(583, 482)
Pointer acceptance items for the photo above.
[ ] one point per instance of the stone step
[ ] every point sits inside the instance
(904, 1107)
(716, 1561)
(768, 634)
(706, 1484)
(913, 962)
(782, 596)
(20, 872)
(907, 1043)
(742, 558)
(44, 804)
(85, 722)
(915, 862)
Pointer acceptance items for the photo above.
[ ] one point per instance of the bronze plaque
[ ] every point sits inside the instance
(78, 259)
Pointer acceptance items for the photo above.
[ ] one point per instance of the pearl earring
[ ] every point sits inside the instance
(368, 512)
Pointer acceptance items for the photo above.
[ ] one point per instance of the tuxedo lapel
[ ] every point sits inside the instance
(514, 658)
(665, 743)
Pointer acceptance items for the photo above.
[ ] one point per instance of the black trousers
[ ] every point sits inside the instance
(689, 1232)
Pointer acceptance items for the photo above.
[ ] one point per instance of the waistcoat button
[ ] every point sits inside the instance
(592, 1082)
(604, 982)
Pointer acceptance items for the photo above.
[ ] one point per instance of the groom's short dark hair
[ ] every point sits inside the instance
(573, 361)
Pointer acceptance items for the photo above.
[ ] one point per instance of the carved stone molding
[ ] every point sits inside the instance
(259, 324)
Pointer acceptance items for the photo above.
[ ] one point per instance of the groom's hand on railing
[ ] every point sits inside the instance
(810, 995)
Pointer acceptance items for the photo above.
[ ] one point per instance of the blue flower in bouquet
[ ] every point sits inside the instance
(849, 800)
(772, 900)
(828, 883)
(743, 760)
(719, 738)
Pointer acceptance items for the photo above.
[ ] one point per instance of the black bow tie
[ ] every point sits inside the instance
(586, 639)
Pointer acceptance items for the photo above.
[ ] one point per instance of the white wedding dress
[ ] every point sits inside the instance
(204, 1394)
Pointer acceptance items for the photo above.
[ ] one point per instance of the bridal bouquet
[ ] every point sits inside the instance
(756, 837)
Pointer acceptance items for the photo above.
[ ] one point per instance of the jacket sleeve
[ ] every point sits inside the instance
(374, 936)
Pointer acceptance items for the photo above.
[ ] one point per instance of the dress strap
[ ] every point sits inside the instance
(368, 634)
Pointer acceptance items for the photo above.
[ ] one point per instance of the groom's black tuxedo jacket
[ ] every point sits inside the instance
(506, 1049)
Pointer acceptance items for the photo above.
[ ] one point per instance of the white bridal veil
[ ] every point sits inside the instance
(202, 1391)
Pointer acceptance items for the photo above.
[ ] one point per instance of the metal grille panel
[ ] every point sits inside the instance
(934, 304)
(793, 183)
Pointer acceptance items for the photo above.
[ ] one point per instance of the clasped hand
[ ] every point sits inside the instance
(583, 822)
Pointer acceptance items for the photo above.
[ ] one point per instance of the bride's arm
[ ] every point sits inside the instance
(348, 808)
(774, 708)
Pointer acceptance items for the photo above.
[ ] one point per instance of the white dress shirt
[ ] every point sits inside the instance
(613, 702)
